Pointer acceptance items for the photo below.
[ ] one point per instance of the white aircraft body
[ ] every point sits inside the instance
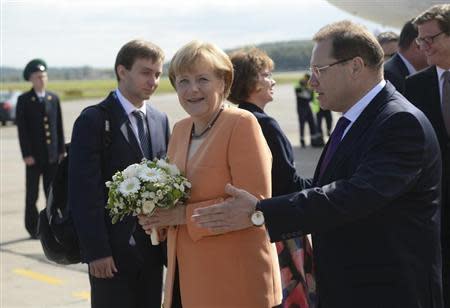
(392, 13)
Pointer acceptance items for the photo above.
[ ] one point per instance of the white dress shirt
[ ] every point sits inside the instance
(129, 108)
(355, 111)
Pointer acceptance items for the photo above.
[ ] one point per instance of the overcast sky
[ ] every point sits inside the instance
(90, 32)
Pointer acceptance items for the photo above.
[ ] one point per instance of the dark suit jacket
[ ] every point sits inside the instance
(396, 72)
(374, 214)
(40, 127)
(284, 176)
(87, 192)
(422, 89)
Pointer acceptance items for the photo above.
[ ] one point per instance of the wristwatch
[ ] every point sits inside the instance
(257, 217)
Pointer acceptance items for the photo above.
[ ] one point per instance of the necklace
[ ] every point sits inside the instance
(208, 127)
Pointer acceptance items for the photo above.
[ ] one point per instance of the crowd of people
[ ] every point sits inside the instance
(377, 207)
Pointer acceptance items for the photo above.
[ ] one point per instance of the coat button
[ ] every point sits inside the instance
(48, 141)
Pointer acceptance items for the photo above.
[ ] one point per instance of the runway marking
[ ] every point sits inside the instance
(82, 295)
(38, 276)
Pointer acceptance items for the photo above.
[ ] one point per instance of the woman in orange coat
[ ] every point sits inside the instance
(215, 145)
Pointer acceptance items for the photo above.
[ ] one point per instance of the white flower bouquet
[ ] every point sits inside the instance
(143, 187)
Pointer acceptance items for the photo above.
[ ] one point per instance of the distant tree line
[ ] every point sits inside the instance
(287, 55)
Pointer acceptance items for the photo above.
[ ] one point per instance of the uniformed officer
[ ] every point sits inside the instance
(41, 137)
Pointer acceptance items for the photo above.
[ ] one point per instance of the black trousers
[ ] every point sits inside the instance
(324, 114)
(138, 283)
(33, 174)
(305, 115)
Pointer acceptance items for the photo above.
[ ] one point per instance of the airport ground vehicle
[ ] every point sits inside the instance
(8, 102)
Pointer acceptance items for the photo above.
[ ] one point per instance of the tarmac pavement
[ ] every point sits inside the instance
(27, 279)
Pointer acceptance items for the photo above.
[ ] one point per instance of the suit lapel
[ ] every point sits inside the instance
(358, 128)
(124, 124)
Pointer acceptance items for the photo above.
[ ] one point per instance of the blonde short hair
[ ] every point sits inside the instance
(188, 56)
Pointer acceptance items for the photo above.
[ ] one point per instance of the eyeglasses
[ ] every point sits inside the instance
(316, 70)
(427, 39)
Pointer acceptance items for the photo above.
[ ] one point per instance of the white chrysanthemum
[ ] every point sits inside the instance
(108, 184)
(152, 175)
(187, 184)
(129, 186)
(143, 173)
(131, 171)
(148, 207)
(172, 169)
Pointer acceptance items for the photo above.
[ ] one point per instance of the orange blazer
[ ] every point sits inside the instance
(235, 269)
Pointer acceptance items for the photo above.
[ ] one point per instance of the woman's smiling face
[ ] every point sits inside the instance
(200, 91)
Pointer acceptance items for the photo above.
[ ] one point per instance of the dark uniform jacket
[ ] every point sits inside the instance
(40, 127)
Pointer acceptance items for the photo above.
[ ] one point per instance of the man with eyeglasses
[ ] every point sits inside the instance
(408, 60)
(373, 205)
(429, 90)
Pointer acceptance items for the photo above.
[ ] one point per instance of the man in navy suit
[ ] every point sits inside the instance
(427, 90)
(41, 137)
(373, 205)
(125, 270)
(408, 60)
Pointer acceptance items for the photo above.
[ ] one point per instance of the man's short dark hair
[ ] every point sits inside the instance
(387, 37)
(407, 35)
(351, 40)
(137, 49)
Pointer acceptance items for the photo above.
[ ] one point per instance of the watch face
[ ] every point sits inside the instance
(257, 218)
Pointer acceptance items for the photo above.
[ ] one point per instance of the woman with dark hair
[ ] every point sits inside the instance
(252, 89)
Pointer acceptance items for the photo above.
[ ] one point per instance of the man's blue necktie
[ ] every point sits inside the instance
(143, 134)
(333, 143)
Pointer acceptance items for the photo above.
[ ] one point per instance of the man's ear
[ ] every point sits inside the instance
(121, 71)
(356, 66)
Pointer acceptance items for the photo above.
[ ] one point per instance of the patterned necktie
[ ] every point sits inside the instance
(333, 143)
(143, 134)
(446, 100)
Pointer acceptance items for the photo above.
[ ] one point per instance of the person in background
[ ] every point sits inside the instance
(374, 204)
(321, 115)
(389, 43)
(252, 89)
(304, 95)
(215, 145)
(408, 60)
(429, 90)
(125, 269)
(41, 137)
